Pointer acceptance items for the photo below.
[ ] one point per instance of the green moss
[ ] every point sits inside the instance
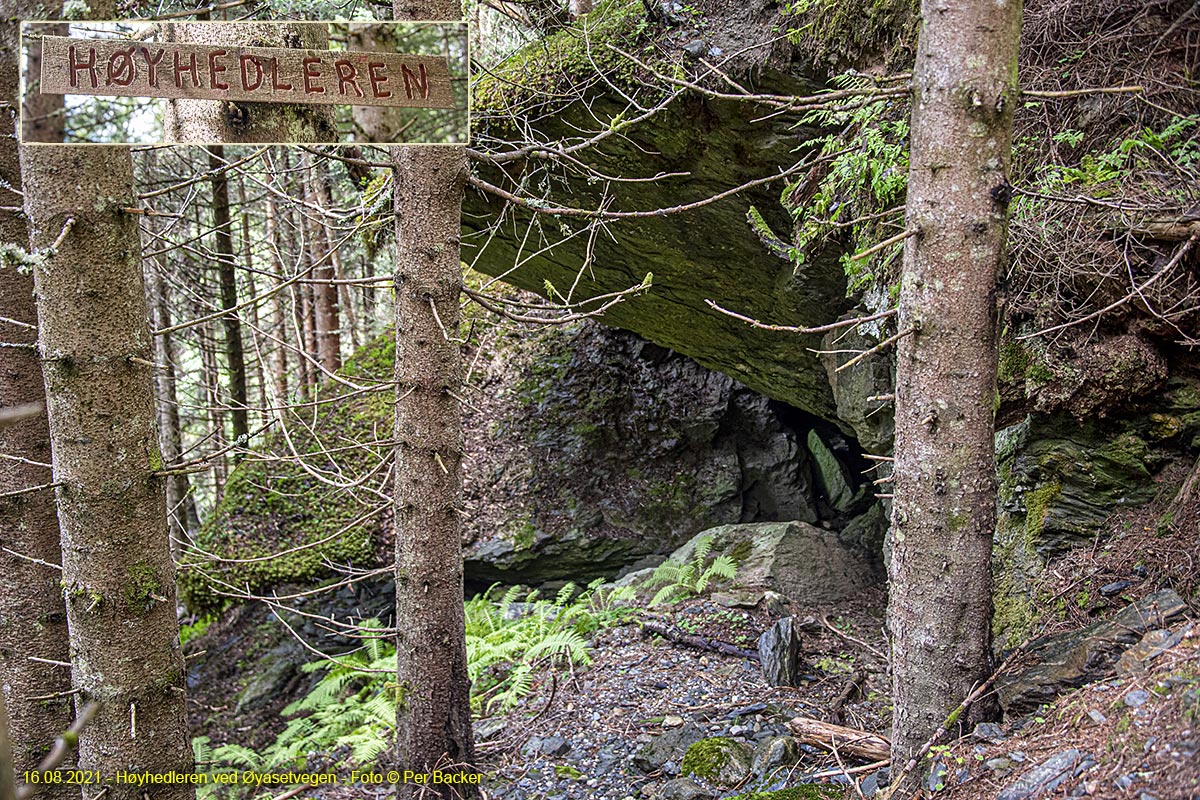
(523, 537)
(565, 59)
(142, 586)
(272, 506)
(741, 551)
(1037, 507)
(155, 459)
(856, 33)
(707, 757)
(1013, 362)
(567, 771)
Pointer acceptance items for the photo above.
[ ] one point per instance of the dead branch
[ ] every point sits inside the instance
(1179, 254)
(833, 326)
(676, 636)
(859, 744)
(13, 415)
(63, 745)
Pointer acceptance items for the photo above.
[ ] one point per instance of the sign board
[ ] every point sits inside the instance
(246, 74)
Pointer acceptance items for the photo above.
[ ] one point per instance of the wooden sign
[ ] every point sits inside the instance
(255, 74)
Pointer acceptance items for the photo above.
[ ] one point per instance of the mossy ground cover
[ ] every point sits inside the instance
(279, 523)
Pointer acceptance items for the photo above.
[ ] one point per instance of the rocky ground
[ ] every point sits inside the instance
(1103, 702)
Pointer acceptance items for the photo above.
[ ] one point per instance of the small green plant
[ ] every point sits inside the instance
(693, 577)
(508, 641)
(860, 194)
(195, 629)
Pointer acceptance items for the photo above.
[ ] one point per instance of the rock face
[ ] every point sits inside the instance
(589, 448)
(626, 449)
(1071, 659)
(1059, 482)
(712, 251)
(1048, 776)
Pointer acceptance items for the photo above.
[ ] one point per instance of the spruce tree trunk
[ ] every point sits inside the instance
(377, 123)
(117, 576)
(434, 716)
(42, 117)
(181, 504)
(33, 619)
(940, 608)
(326, 319)
(429, 10)
(235, 354)
(222, 121)
(210, 377)
(279, 327)
(252, 283)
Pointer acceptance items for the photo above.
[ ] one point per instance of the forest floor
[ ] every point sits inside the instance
(618, 728)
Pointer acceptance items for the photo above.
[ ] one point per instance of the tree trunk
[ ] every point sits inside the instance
(255, 322)
(42, 115)
(33, 620)
(377, 123)
(181, 504)
(117, 574)
(430, 10)
(210, 377)
(434, 715)
(940, 609)
(235, 354)
(211, 121)
(326, 319)
(279, 326)
(8, 778)
(310, 331)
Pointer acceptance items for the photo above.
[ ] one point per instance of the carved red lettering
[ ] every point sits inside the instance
(275, 82)
(78, 66)
(413, 81)
(345, 75)
(193, 69)
(152, 66)
(310, 73)
(215, 68)
(377, 80)
(251, 61)
(121, 69)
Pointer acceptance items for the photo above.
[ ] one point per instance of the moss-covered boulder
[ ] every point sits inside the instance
(589, 449)
(713, 251)
(720, 760)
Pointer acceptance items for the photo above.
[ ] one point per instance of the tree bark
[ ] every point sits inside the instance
(235, 354)
(940, 608)
(377, 123)
(42, 115)
(326, 319)
(182, 517)
(210, 377)
(848, 742)
(8, 778)
(33, 619)
(117, 573)
(428, 10)
(434, 715)
(279, 326)
(223, 121)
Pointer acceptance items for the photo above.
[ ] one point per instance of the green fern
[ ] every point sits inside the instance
(354, 703)
(693, 577)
